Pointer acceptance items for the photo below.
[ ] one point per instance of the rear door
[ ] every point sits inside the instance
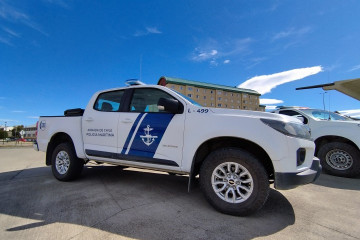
(147, 133)
(100, 125)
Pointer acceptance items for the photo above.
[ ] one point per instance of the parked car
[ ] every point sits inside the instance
(337, 139)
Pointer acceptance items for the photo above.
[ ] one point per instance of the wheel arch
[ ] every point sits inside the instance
(55, 140)
(319, 142)
(231, 142)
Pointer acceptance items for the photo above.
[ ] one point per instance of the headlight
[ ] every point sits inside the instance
(289, 129)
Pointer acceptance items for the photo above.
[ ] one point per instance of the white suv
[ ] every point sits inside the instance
(337, 139)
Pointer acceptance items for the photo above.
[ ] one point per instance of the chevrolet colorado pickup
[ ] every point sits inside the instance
(236, 154)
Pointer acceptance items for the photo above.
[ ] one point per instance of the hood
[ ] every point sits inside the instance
(338, 122)
(253, 114)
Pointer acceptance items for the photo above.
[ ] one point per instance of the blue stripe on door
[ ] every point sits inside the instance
(131, 133)
(151, 131)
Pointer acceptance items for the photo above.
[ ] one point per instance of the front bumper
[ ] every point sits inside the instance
(284, 181)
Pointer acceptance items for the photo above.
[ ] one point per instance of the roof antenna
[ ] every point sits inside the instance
(134, 81)
(140, 65)
(324, 99)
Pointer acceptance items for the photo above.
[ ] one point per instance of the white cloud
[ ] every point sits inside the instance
(11, 32)
(32, 117)
(214, 63)
(354, 68)
(212, 51)
(9, 13)
(60, 3)
(237, 47)
(255, 61)
(18, 111)
(332, 67)
(153, 30)
(8, 120)
(265, 83)
(204, 55)
(5, 41)
(292, 32)
(266, 101)
(147, 31)
(356, 111)
(15, 15)
(292, 37)
(351, 113)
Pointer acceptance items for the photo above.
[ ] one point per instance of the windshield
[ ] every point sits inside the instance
(324, 115)
(187, 98)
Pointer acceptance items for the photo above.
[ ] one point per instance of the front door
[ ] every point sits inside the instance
(147, 133)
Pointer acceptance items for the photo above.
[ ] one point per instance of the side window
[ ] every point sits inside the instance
(109, 101)
(146, 100)
(293, 114)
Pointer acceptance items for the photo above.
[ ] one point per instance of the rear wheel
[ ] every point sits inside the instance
(340, 159)
(234, 182)
(65, 165)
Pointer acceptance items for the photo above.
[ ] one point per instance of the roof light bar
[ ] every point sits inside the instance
(133, 82)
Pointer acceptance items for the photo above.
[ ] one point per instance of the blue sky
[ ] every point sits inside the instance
(54, 54)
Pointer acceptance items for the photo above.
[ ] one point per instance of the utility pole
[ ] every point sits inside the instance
(5, 134)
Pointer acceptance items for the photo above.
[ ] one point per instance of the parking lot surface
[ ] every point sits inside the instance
(108, 202)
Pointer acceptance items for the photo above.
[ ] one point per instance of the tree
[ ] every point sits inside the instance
(16, 131)
(3, 134)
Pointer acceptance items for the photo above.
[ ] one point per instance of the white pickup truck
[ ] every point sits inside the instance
(237, 154)
(337, 139)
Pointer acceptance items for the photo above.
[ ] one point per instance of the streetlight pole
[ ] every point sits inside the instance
(4, 134)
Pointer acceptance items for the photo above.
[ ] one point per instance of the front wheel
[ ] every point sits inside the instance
(340, 159)
(65, 165)
(234, 182)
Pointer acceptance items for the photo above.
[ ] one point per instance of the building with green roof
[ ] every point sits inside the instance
(214, 95)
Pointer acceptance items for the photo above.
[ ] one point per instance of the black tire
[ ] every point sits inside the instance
(69, 166)
(243, 205)
(340, 159)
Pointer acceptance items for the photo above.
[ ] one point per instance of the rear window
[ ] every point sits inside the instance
(109, 101)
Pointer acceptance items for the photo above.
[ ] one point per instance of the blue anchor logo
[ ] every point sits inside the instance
(148, 139)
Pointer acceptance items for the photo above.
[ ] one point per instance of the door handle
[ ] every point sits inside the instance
(89, 119)
(127, 120)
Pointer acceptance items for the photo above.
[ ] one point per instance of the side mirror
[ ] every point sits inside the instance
(170, 105)
(301, 118)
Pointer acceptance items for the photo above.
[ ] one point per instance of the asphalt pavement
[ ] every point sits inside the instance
(108, 202)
